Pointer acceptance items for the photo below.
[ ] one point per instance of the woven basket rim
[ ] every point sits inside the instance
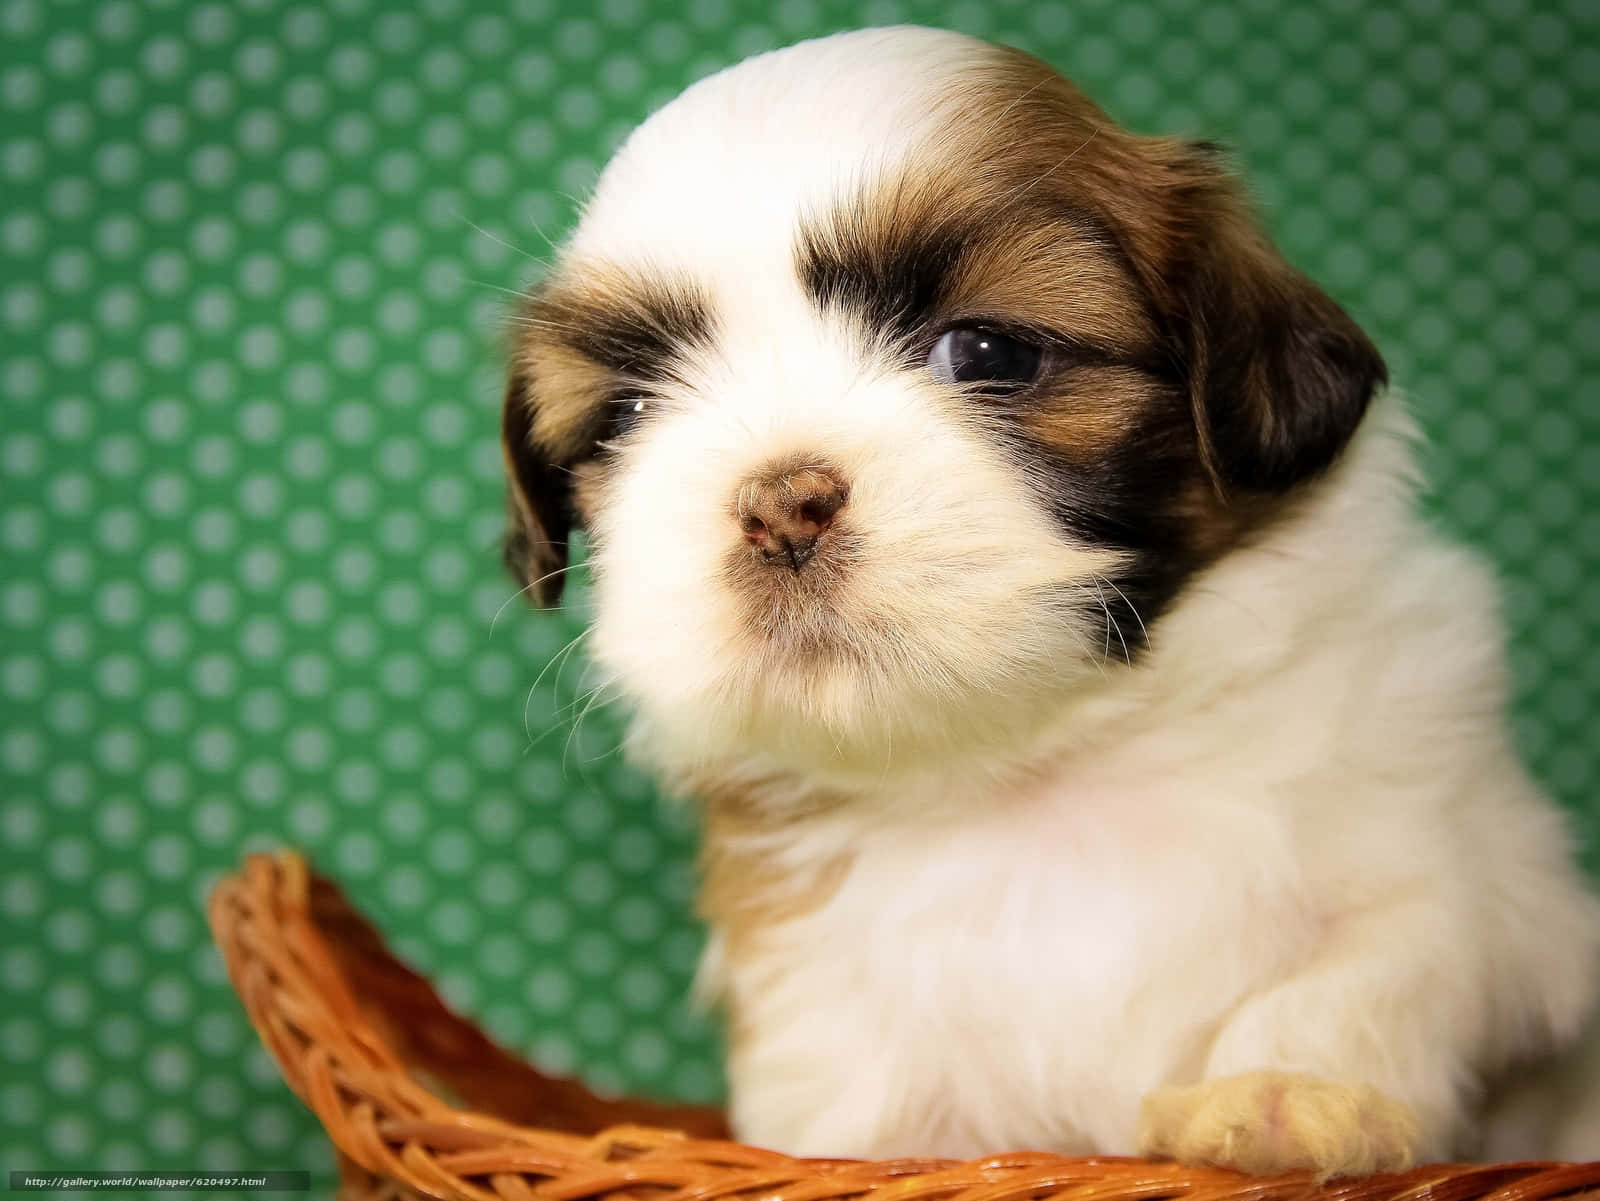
(298, 955)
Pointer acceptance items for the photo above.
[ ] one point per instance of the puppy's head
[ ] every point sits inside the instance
(899, 392)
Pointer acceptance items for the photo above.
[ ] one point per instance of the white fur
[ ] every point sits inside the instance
(1293, 836)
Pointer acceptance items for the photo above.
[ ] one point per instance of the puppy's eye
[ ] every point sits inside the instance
(989, 360)
(624, 413)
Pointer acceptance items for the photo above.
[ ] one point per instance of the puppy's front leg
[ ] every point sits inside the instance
(1354, 1064)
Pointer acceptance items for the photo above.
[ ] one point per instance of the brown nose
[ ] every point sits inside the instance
(784, 515)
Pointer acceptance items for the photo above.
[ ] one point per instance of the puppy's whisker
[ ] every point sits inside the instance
(460, 216)
(888, 750)
(593, 698)
(539, 229)
(528, 587)
(483, 283)
(577, 706)
(527, 717)
(1111, 624)
(1101, 596)
(1127, 657)
(558, 661)
(523, 591)
(1034, 87)
(1085, 646)
(571, 656)
(556, 658)
(543, 323)
(1142, 630)
(1042, 176)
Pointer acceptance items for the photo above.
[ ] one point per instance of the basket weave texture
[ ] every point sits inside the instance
(357, 1033)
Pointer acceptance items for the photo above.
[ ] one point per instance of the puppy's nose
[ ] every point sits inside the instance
(784, 515)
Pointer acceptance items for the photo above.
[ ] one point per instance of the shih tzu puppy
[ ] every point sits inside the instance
(1015, 557)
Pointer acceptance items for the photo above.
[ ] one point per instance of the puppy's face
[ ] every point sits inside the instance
(899, 393)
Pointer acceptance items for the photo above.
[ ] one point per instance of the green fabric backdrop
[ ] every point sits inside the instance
(253, 257)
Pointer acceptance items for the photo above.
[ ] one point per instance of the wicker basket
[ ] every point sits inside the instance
(356, 1034)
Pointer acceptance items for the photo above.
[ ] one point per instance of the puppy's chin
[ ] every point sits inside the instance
(812, 697)
(939, 613)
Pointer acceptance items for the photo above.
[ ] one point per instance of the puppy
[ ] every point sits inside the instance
(1008, 548)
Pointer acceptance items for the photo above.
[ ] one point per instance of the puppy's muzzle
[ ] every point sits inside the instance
(784, 515)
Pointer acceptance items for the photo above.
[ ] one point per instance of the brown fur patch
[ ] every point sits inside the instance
(1191, 379)
(565, 387)
(597, 334)
(1090, 412)
(587, 347)
(1278, 375)
(745, 889)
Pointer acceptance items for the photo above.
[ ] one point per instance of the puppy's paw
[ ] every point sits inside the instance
(1269, 1122)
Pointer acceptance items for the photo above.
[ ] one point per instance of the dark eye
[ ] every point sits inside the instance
(985, 358)
(622, 415)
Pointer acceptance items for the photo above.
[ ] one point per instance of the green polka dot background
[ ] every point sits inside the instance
(254, 261)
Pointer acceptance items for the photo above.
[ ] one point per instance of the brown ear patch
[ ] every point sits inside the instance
(1278, 374)
(1281, 375)
(539, 502)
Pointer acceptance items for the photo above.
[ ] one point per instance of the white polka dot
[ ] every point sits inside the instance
(262, 710)
(119, 676)
(309, 820)
(355, 710)
(220, 1096)
(119, 603)
(167, 1000)
(22, 678)
(305, 27)
(168, 1068)
(357, 855)
(68, 1135)
(646, 1052)
(406, 888)
(170, 1131)
(260, 275)
(214, 748)
(68, 931)
(118, 823)
(453, 922)
(213, 603)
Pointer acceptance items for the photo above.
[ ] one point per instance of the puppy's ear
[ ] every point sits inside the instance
(539, 501)
(1279, 374)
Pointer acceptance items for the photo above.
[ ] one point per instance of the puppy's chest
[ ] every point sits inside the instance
(1034, 968)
